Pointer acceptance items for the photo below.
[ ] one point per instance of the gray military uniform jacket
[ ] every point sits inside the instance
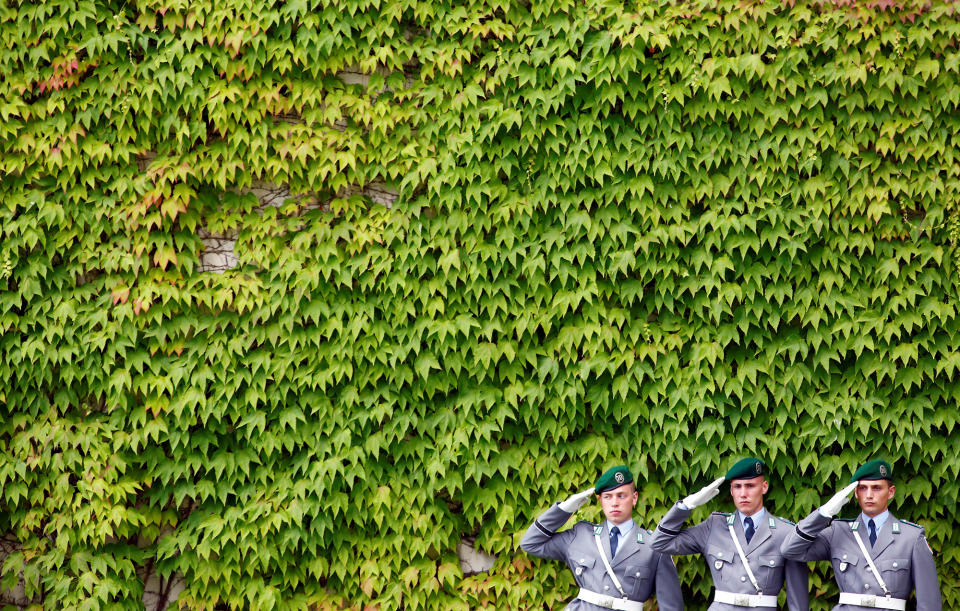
(901, 554)
(639, 568)
(712, 539)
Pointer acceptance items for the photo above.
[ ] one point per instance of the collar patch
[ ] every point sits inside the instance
(598, 530)
(896, 528)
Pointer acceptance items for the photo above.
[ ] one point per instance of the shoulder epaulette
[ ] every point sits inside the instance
(785, 521)
(912, 524)
(720, 513)
(844, 519)
(584, 524)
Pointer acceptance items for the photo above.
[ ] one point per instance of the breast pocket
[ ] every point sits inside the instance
(637, 580)
(770, 571)
(845, 568)
(896, 573)
(719, 559)
(582, 564)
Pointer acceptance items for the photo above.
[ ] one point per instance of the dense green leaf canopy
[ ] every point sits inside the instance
(660, 234)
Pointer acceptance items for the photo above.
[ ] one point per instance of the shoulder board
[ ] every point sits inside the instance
(912, 524)
(720, 513)
(785, 521)
(844, 519)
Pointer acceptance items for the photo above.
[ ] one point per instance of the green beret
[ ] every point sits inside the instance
(614, 478)
(875, 469)
(748, 468)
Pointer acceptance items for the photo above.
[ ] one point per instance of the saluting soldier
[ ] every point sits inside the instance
(742, 548)
(877, 559)
(613, 563)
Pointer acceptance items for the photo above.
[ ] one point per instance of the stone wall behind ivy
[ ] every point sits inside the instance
(297, 298)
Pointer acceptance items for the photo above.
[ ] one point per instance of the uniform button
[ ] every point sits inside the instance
(844, 556)
(584, 559)
(894, 565)
(606, 587)
(743, 578)
(772, 563)
(637, 574)
(720, 555)
(866, 586)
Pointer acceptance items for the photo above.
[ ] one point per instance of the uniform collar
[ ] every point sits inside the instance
(757, 518)
(879, 520)
(624, 528)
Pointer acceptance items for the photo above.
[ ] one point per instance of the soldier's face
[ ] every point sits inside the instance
(618, 503)
(874, 496)
(748, 494)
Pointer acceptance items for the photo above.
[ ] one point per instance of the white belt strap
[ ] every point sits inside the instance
(743, 559)
(609, 602)
(745, 600)
(872, 602)
(606, 563)
(873, 567)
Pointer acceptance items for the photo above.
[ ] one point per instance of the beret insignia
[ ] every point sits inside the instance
(614, 478)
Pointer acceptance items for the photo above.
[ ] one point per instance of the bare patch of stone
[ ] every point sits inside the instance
(160, 594)
(473, 560)
(219, 251)
(377, 192)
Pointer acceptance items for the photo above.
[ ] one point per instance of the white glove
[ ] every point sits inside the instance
(576, 501)
(832, 507)
(708, 492)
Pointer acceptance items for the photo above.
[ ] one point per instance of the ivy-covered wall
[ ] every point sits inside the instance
(666, 234)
